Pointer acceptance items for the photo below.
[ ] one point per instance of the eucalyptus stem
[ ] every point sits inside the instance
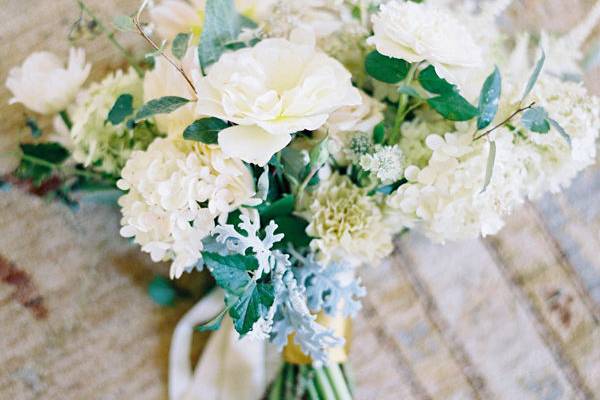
(65, 118)
(323, 385)
(110, 34)
(338, 382)
(507, 120)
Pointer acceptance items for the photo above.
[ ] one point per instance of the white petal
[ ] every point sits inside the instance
(251, 143)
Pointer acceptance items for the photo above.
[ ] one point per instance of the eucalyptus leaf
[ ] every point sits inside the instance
(379, 133)
(536, 120)
(534, 75)
(122, 108)
(561, 131)
(386, 69)
(453, 106)
(180, 45)
(222, 25)
(231, 271)
(205, 130)
(489, 170)
(124, 23)
(489, 99)
(162, 105)
(431, 82)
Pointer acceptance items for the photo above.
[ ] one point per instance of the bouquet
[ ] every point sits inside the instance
(283, 145)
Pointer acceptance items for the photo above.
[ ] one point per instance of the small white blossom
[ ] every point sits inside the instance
(43, 83)
(387, 163)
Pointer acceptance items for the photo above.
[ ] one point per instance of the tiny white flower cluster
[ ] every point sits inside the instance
(387, 163)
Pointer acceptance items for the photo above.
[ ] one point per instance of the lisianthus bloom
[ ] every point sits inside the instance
(176, 189)
(423, 32)
(43, 83)
(272, 90)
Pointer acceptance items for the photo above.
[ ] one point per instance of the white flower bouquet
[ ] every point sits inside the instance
(282, 145)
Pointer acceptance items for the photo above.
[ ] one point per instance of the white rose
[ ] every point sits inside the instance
(165, 80)
(272, 90)
(418, 32)
(44, 85)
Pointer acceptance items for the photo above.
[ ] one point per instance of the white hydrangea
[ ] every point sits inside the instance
(101, 145)
(176, 189)
(43, 83)
(424, 32)
(347, 225)
(386, 163)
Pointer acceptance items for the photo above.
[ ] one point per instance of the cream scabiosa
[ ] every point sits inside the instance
(423, 32)
(43, 83)
(270, 91)
(176, 189)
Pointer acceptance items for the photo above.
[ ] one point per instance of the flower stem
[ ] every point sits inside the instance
(507, 120)
(275, 393)
(402, 106)
(289, 382)
(338, 382)
(65, 117)
(323, 385)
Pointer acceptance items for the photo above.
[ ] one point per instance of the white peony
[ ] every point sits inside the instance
(423, 32)
(166, 80)
(176, 190)
(272, 90)
(43, 83)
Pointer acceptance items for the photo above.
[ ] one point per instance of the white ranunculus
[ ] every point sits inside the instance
(272, 90)
(423, 32)
(166, 80)
(43, 83)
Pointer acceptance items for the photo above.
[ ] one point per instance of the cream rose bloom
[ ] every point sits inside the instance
(164, 80)
(423, 32)
(272, 90)
(43, 83)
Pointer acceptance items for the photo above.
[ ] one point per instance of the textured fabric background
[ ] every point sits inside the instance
(511, 317)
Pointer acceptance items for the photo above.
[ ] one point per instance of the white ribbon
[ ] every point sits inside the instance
(229, 368)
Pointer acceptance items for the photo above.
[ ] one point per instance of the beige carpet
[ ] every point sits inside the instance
(513, 317)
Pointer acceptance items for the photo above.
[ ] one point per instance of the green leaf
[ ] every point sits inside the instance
(319, 154)
(431, 82)
(40, 160)
(205, 130)
(409, 91)
(122, 108)
(180, 45)
(386, 69)
(162, 105)
(31, 123)
(453, 106)
(561, 131)
(281, 207)
(253, 304)
(222, 25)
(294, 164)
(534, 75)
(489, 99)
(294, 230)
(162, 291)
(230, 272)
(536, 120)
(388, 189)
(51, 152)
(379, 133)
(489, 170)
(214, 324)
(124, 23)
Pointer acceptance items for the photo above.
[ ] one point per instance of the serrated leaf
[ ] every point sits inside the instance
(534, 75)
(122, 108)
(294, 231)
(253, 304)
(222, 25)
(162, 291)
(231, 271)
(453, 106)
(431, 82)
(489, 170)
(489, 99)
(536, 120)
(205, 130)
(386, 69)
(124, 23)
(162, 105)
(180, 45)
(561, 131)
(31, 123)
(379, 133)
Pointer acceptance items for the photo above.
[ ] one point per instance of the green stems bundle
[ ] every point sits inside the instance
(300, 382)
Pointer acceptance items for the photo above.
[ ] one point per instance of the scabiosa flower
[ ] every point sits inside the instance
(98, 143)
(43, 83)
(346, 224)
(176, 189)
